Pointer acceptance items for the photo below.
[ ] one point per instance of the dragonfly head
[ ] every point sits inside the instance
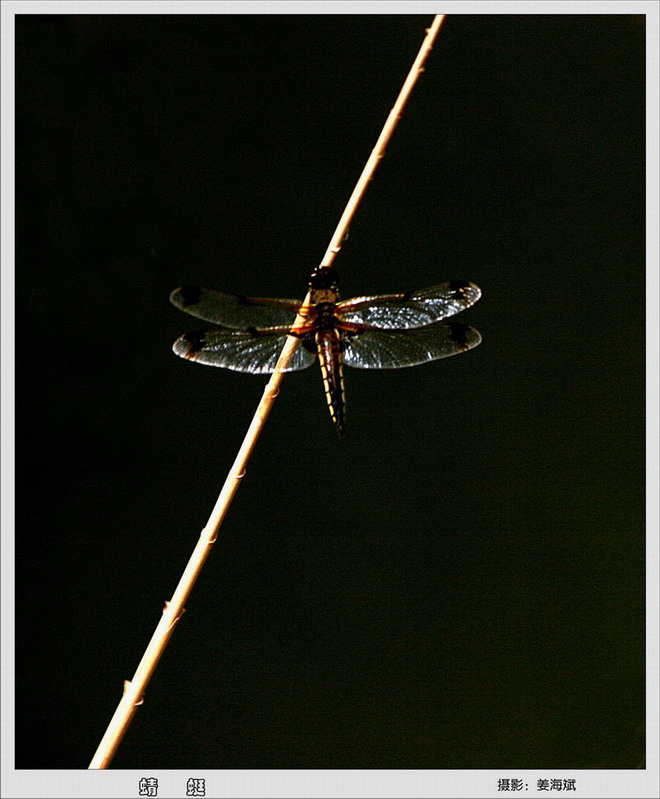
(323, 277)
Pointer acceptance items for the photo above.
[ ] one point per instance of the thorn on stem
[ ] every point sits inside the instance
(175, 621)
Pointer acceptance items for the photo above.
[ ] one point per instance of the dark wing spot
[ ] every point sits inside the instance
(309, 343)
(458, 288)
(190, 295)
(459, 334)
(189, 345)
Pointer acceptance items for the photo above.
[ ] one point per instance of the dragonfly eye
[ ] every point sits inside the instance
(323, 277)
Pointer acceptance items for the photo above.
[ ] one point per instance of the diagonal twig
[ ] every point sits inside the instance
(134, 689)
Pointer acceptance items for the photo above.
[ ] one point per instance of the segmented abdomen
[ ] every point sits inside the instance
(332, 368)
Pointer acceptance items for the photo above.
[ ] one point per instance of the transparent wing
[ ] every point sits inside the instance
(395, 349)
(254, 351)
(410, 310)
(234, 310)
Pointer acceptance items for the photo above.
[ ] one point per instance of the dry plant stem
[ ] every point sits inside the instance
(379, 150)
(134, 690)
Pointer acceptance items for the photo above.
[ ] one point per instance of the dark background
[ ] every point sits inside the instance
(460, 582)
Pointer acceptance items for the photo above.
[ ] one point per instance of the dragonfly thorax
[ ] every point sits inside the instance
(321, 297)
(325, 315)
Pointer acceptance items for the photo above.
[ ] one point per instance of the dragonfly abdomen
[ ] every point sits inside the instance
(332, 368)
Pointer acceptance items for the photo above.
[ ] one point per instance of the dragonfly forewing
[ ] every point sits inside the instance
(234, 310)
(413, 309)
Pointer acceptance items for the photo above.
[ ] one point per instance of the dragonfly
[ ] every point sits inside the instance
(388, 331)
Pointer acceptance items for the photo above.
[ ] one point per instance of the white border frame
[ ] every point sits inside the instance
(475, 784)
